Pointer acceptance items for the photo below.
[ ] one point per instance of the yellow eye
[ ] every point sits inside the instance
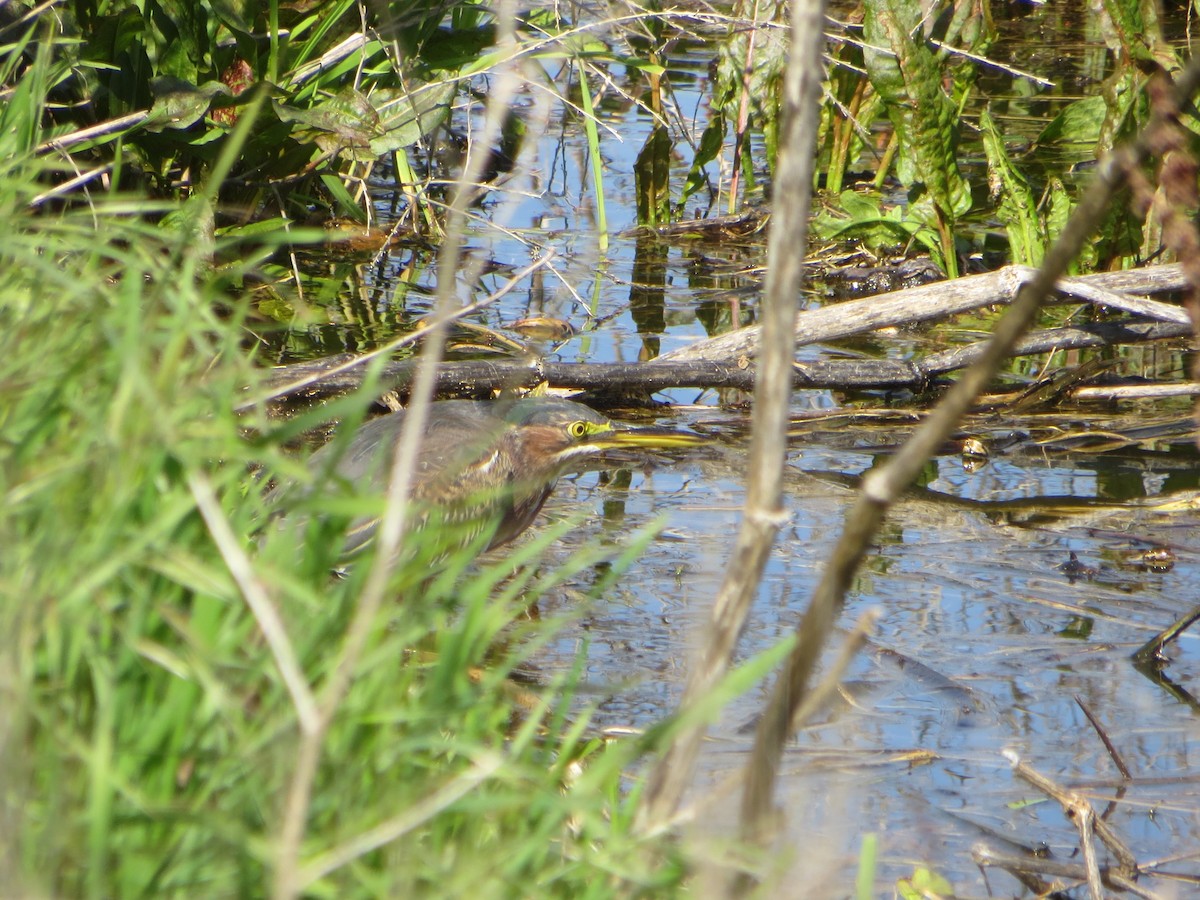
(577, 430)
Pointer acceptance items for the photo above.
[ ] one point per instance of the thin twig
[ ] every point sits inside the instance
(882, 486)
(395, 517)
(1025, 867)
(255, 595)
(1113, 753)
(1073, 803)
(764, 513)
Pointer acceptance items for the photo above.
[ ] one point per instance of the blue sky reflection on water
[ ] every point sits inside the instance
(982, 645)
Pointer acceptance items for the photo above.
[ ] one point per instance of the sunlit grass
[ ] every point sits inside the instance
(151, 731)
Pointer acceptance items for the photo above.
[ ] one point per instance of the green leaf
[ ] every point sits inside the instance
(926, 120)
(346, 122)
(407, 116)
(859, 206)
(924, 883)
(365, 128)
(1079, 122)
(1058, 206)
(342, 197)
(1016, 208)
(647, 68)
(711, 142)
(179, 104)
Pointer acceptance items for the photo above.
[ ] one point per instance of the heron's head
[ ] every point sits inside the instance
(550, 435)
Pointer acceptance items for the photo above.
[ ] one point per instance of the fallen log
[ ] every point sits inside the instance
(726, 361)
(948, 298)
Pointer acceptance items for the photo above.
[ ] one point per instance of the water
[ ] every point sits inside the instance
(983, 642)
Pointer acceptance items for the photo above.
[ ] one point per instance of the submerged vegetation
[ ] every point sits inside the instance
(196, 710)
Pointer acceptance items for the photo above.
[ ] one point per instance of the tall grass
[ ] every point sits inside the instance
(151, 713)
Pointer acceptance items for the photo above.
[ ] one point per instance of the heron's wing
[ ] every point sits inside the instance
(464, 474)
(458, 436)
(459, 465)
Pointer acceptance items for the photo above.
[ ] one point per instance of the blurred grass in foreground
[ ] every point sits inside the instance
(148, 739)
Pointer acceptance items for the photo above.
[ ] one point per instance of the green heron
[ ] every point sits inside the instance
(483, 464)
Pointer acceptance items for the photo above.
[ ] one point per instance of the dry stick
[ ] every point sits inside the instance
(68, 186)
(1135, 391)
(255, 594)
(1069, 337)
(1113, 753)
(1072, 803)
(717, 363)
(764, 513)
(1099, 296)
(110, 126)
(394, 521)
(935, 301)
(1151, 652)
(882, 486)
(1084, 817)
(1024, 867)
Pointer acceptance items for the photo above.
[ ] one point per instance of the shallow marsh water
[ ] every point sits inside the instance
(983, 641)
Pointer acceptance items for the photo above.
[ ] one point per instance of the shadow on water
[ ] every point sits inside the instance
(987, 635)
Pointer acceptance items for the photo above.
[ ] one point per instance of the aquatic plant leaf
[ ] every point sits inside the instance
(1016, 207)
(1091, 126)
(924, 883)
(709, 149)
(365, 128)
(909, 79)
(858, 206)
(761, 52)
(1132, 30)
(179, 104)
(1125, 107)
(1079, 122)
(345, 201)
(1056, 208)
(971, 29)
(643, 66)
(861, 217)
(408, 116)
(345, 122)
